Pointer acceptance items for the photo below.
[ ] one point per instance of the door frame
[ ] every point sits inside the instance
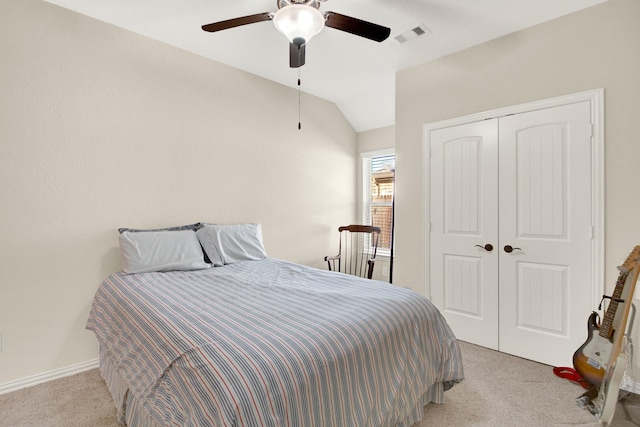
(596, 99)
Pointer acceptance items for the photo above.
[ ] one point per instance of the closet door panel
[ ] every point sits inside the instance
(545, 216)
(541, 153)
(463, 278)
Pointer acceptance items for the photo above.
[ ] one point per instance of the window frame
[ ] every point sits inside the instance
(366, 202)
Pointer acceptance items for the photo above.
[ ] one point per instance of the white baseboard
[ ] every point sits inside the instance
(48, 376)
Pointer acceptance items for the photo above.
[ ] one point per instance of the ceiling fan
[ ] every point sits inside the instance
(299, 20)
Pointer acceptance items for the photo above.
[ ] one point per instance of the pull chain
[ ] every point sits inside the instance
(299, 123)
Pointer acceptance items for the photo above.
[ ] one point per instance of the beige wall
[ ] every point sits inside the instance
(377, 139)
(101, 128)
(598, 47)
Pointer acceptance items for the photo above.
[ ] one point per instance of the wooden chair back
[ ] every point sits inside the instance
(357, 250)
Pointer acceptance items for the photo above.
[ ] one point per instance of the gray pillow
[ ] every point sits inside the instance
(193, 227)
(161, 251)
(226, 244)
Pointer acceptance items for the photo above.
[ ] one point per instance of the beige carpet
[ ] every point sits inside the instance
(499, 390)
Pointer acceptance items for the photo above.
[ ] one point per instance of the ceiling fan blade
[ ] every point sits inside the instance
(356, 26)
(236, 22)
(296, 55)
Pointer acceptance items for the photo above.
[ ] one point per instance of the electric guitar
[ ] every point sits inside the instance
(601, 359)
(591, 360)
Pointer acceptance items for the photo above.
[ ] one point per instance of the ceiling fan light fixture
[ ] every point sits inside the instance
(299, 21)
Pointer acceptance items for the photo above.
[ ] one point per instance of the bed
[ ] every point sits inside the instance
(266, 342)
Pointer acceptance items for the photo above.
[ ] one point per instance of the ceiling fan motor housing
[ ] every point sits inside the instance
(312, 3)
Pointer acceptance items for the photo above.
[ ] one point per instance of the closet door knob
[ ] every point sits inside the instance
(508, 249)
(488, 247)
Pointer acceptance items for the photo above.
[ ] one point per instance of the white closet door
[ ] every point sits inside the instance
(545, 211)
(521, 183)
(464, 219)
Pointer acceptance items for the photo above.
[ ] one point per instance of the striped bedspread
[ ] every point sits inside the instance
(272, 343)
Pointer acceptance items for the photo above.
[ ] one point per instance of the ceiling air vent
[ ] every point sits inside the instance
(412, 34)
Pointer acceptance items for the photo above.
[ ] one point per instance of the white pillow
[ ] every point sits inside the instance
(226, 244)
(161, 251)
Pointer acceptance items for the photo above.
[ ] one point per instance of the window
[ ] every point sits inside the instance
(378, 169)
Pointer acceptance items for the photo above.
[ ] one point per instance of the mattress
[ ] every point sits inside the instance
(270, 343)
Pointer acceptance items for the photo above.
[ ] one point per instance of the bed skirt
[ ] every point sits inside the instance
(130, 411)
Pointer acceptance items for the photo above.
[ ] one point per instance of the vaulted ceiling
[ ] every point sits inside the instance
(357, 74)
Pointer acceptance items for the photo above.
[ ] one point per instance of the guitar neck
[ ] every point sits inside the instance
(631, 270)
(631, 284)
(606, 328)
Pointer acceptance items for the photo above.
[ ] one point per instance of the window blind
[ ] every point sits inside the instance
(378, 182)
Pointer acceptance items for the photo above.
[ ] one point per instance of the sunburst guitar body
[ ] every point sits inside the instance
(591, 358)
